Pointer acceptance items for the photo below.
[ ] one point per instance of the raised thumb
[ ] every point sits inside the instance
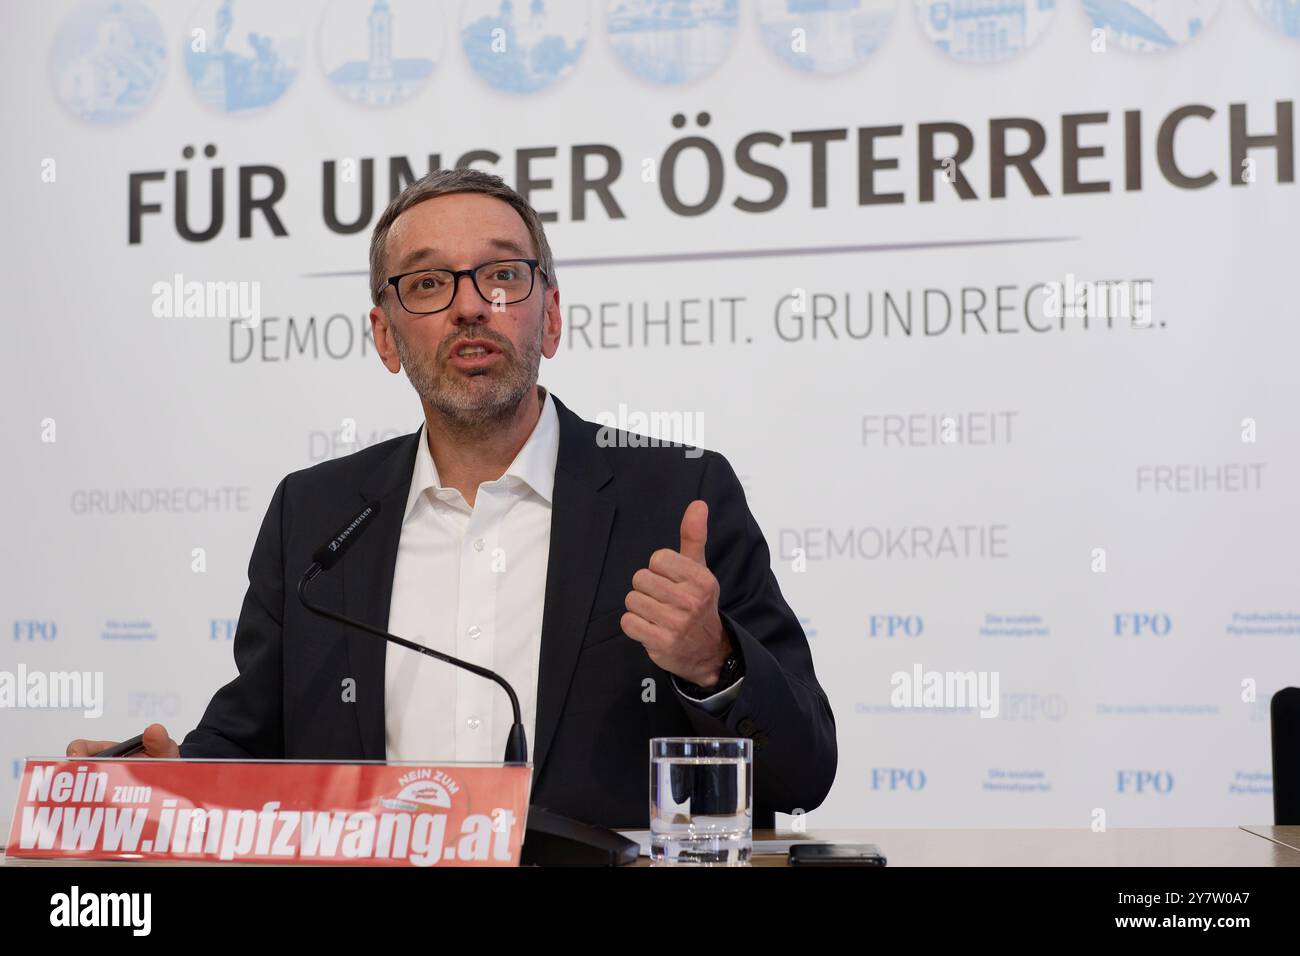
(695, 530)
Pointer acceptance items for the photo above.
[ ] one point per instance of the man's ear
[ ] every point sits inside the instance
(551, 322)
(384, 343)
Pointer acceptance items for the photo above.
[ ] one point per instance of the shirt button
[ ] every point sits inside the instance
(474, 631)
(478, 544)
(473, 723)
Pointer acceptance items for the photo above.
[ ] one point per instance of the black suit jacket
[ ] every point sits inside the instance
(612, 507)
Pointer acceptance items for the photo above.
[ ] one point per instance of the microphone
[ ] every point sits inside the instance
(331, 553)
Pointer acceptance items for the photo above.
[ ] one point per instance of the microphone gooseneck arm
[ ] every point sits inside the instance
(325, 557)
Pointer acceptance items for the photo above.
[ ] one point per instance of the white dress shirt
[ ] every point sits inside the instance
(471, 582)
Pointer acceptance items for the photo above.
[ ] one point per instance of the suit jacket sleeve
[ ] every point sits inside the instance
(246, 717)
(780, 704)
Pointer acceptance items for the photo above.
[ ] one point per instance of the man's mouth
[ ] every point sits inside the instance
(473, 354)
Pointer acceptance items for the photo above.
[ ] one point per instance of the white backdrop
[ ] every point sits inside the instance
(1111, 530)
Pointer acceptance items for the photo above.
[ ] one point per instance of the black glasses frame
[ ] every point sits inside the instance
(534, 267)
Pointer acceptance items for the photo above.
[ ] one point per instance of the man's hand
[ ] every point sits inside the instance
(672, 608)
(157, 743)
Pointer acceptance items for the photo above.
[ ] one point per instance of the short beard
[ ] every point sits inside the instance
(464, 407)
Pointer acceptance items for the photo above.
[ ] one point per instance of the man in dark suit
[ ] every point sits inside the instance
(658, 611)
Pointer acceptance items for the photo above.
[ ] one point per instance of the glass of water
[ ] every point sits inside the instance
(701, 796)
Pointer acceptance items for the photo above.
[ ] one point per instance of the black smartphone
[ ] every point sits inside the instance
(835, 854)
(124, 749)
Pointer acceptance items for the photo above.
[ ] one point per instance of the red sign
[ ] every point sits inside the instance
(271, 812)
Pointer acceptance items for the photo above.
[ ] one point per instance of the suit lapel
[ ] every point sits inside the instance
(368, 588)
(581, 517)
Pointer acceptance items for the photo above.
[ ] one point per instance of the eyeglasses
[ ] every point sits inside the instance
(426, 291)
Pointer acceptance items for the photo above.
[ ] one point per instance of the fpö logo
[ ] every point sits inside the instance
(33, 630)
(895, 625)
(148, 703)
(1144, 781)
(1031, 706)
(897, 778)
(1142, 624)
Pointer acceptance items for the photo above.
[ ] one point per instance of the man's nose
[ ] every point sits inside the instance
(467, 305)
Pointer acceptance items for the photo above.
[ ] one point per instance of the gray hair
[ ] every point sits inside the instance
(442, 182)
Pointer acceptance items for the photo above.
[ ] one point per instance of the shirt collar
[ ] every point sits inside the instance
(534, 464)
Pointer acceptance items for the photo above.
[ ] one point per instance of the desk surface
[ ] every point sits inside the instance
(1198, 846)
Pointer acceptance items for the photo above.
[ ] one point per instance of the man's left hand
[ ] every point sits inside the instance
(672, 608)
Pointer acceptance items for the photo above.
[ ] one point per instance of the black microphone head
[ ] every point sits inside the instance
(332, 551)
